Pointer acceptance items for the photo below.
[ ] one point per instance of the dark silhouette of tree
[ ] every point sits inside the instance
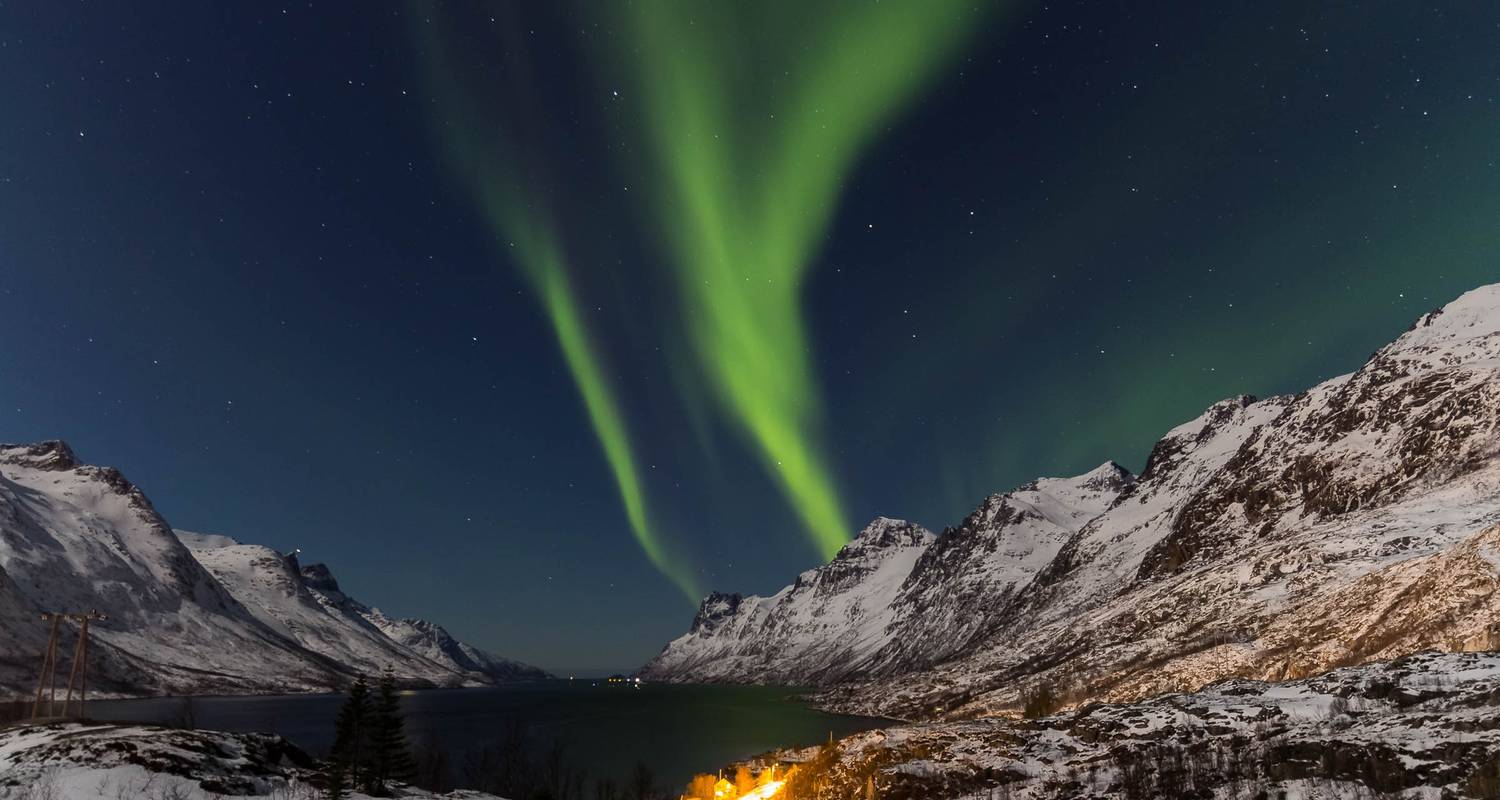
(433, 771)
(605, 789)
(1039, 701)
(334, 778)
(642, 783)
(351, 735)
(390, 755)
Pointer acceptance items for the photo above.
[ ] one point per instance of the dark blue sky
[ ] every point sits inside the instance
(235, 262)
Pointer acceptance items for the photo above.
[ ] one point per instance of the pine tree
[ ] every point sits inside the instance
(390, 756)
(334, 773)
(351, 738)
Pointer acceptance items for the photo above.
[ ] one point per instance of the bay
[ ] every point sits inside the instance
(606, 729)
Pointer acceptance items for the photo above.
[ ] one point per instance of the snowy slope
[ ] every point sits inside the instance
(1264, 539)
(433, 642)
(218, 616)
(305, 604)
(965, 584)
(829, 621)
(1421, 727)
(894, 596)
(76, 538)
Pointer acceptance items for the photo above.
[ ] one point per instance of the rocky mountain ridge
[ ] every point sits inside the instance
(862, 612)
(186, 613)
(1376, 493)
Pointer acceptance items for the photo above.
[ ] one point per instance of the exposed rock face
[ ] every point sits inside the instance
(1421, 412)
(1424, 726)
(1270, 539)
(186, 612)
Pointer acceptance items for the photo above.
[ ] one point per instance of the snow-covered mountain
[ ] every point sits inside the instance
(1267, 539)
(833, 618)
(893, 596)
(185, 612)
(305, 604)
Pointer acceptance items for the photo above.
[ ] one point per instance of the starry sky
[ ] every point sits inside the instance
(539, 320)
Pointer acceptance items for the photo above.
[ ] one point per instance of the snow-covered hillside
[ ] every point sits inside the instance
(1426, 726)
(873, 608)
(216, 616)
(1268, 539)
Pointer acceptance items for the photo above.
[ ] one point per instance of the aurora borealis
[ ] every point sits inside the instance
(749, 146)
(548, 317)
(514, 201)
(754, 115)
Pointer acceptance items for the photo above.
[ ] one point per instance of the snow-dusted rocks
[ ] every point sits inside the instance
(186, 613)
(1424, 726)
(104, 760)
(1267, 539)
(80, 761)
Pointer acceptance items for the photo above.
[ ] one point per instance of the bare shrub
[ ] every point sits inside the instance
(45, 787)
(1484, 782)
(1039, 701)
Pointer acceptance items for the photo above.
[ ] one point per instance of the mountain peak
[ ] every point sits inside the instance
(715, 608)
(52, 455)
(205, 541)
(318, 576)
(1465, 329)
(1107, 477)
(884, 532)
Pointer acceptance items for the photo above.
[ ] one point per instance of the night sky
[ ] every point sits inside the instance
(542, 319)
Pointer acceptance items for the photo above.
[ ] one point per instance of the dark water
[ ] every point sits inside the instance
(675, 730)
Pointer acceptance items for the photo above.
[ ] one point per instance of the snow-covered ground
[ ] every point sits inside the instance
(77, 761)
(1426, 726)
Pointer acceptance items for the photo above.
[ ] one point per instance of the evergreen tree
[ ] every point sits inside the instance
(390, 756)
(351, 740)
(335, 772)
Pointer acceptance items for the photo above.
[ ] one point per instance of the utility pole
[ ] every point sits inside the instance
(49, 667)
(78, 673)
